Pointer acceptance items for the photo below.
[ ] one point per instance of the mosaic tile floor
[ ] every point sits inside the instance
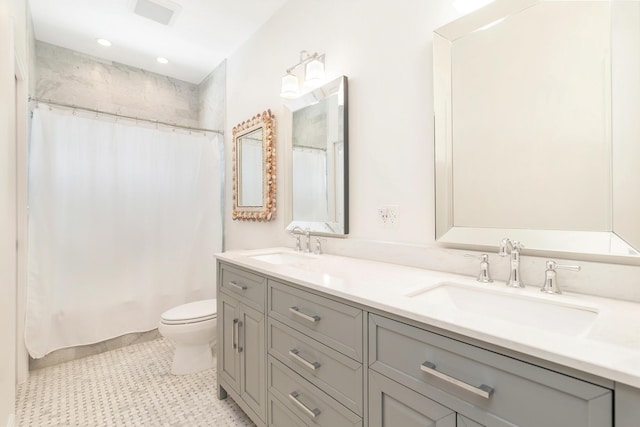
(130, 386)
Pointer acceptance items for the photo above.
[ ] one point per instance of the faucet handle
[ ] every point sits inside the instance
(318, 249)
(512, 245)
(484, 276)
(552, 265)
(297, 237)
(550, 285)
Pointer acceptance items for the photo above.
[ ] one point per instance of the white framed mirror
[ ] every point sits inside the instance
(537, 137)
(254, 169)
(317, 156)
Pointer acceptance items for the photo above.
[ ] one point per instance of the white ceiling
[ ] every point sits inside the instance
(204, 33)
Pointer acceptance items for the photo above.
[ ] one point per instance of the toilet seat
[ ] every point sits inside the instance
(193, 312)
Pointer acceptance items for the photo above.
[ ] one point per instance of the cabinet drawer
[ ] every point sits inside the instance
(249, 287)
(305, 400)
(333, 372)
(281, 416)
(393, 405)
(337, 325)
(455, 374)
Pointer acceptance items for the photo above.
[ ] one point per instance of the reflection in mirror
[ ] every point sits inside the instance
(536, 127)
(254, 167)
(250, 174)
(318, 175)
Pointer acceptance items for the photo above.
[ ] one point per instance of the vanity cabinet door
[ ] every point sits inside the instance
(242, 353)
(253, 389)
(466, 422)
(393, 405)
(627, 406)
(229, 360)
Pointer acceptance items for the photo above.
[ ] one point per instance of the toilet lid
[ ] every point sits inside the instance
(197, 311)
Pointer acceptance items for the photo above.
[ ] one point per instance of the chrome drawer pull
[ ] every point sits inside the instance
(482, 391)
(311, 413)
(296, 355)
(237, 287)
(234, 335)
(313, 319)
(239, 326)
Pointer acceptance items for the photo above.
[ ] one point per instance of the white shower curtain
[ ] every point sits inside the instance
(310, 184)
(123, 222)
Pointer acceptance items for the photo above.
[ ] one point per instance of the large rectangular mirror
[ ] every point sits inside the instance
(318, 173)
(537, 130)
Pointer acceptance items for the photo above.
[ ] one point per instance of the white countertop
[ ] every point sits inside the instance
(609, 347)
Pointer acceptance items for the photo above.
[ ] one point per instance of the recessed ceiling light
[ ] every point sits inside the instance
(103, 42)
(162, 60)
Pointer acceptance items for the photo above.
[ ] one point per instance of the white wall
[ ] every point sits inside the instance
(13, 44)
(385, 48)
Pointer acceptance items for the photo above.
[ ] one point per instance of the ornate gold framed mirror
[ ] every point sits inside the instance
(254, 168)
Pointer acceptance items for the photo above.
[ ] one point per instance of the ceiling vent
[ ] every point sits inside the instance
(161, 11)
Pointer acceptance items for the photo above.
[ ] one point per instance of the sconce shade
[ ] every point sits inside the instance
(289, 86)
(314, 72)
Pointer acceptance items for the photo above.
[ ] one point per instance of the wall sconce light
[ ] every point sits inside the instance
(313, 74)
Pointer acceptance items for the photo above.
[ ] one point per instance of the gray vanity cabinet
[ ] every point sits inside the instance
(627, 406)
(228, 358)
(482, 386)
(315, 369)
(294, 357)
(241, 339)
(392, 405)
(466, 422)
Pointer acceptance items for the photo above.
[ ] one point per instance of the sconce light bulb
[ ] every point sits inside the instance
(289, 86)
(314, 72)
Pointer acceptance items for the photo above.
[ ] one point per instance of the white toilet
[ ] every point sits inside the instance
(192, 328)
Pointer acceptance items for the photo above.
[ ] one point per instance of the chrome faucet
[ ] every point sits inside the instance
(307, 234)
(513, 246)
(297, 232)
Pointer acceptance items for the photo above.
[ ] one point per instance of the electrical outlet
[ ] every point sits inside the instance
(388, 215)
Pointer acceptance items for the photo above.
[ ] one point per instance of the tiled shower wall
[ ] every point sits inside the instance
(74, 78)
(69, 77)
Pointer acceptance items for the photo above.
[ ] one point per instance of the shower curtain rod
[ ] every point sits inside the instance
(138, 119)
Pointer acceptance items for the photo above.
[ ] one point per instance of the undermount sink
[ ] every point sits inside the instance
(283, 258)
(542, 314)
